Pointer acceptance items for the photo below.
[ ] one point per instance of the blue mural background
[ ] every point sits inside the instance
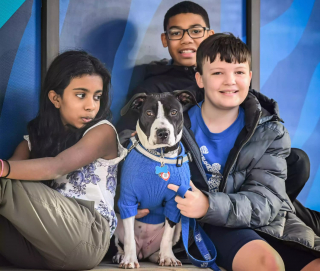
(20, 59)
(126, 36)
(290, 74)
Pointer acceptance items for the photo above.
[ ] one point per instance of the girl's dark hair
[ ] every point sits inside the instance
(230, 49)
(47, 133)
(185, 7)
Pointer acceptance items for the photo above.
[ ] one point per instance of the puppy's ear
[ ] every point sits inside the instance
(186, 98)
(135, 103)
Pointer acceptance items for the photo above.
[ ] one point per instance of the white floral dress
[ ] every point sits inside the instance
(94, 182)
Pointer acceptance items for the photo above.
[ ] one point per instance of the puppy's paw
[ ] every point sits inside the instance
(168, 260)
(118, 257)
(129, 261)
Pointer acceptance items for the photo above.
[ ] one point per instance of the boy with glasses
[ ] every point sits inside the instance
(186, 25)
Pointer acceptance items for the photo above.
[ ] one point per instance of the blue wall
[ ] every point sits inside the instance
(19, 69)
(290, 74)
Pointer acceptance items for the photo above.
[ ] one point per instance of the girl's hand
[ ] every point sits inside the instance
(195, 204)
(142, 213)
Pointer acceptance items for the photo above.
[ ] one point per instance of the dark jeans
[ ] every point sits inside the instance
(298, 174)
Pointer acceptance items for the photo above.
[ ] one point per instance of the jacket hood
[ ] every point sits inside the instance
(258, 104)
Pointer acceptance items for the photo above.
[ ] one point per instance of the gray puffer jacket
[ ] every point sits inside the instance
(252, 192)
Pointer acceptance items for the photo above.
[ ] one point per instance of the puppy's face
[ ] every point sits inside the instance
(160, 121)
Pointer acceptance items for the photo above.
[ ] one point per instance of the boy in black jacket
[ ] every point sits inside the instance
(186, 25)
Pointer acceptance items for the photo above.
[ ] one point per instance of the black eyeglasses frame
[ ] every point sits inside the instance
(187, 30)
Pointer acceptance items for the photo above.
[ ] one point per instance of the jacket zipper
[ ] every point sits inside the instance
(225, 179)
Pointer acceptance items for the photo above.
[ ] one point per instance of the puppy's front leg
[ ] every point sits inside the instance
(166, 256)
(130, 260)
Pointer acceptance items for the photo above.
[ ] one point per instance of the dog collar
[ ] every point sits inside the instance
(178, 161)
(157, 153)
(161, 171)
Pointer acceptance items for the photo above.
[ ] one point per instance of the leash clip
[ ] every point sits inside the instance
(179, 161)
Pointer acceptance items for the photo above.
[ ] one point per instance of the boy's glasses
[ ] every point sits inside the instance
(193, 32)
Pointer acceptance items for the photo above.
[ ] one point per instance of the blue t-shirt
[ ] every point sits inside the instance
(214, 147)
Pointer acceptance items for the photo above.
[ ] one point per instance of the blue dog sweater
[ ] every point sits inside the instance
(140, 184)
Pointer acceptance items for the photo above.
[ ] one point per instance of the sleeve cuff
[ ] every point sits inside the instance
(127, 211)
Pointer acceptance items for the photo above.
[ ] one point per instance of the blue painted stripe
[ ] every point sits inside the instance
(233, 17)
(8, 8)
(63, 8)
(140, 15)
(279, 37)
(307, 121)
(20, 103)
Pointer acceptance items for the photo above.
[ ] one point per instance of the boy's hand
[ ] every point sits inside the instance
(194, 205)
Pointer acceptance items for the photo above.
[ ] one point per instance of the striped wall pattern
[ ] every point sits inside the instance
(290, 74)
(125, 35)
(20, 58)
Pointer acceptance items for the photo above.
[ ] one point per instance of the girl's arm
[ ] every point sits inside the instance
(99, 142)
(21, 152)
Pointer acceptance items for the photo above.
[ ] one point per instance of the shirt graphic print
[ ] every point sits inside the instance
(214, 147)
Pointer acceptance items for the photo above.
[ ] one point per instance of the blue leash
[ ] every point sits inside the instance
(203, 242)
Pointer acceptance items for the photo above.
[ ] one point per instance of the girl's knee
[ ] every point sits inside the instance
(257, 255)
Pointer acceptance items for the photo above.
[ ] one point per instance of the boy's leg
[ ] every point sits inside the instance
(298, 165)
(310, 217)
(294, 259)
(298, 174)
(257, 255)
(240, 249)
(68, 234)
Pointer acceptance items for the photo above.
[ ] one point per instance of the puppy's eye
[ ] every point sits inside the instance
(149, 113)
(173, 112)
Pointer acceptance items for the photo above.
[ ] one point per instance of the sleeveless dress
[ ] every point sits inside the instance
(94, 182)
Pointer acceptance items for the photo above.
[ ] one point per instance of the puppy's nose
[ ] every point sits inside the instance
(162, 134)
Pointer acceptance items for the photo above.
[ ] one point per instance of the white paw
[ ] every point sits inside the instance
(117, 258)
(168, 260)
(129, 261)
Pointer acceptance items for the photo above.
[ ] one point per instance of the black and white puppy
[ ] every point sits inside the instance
(160, 125)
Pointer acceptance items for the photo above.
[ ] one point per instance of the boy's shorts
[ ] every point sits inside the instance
(228, 241)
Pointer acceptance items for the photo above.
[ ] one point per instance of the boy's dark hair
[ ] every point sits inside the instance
(47, 133)
(186, 7)
(230, 49)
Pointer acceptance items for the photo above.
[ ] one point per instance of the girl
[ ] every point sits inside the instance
(71, 143)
